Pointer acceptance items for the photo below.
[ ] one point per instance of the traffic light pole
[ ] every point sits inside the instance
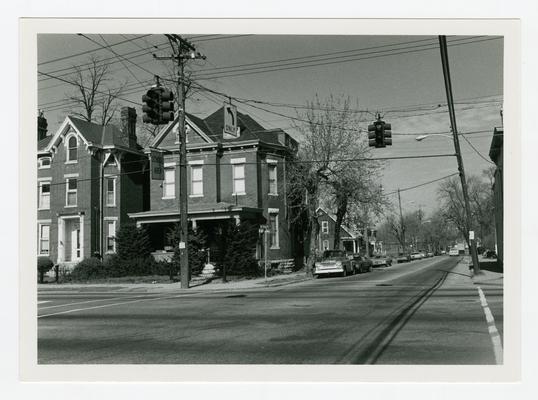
(450, 101)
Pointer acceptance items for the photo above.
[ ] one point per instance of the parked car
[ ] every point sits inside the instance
(379, 260)
(453, 252)
(334, 262)
(362, 263)
(443, 252)
(429, 254)
(403, 258)
(416, 255)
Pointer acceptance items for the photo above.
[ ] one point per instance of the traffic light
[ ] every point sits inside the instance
(151, 107)
(159, 107)
(167, 106)
(371, 136)
(387, 135)
(379, 134)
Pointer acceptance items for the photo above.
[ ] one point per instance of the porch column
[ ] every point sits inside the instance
(194, 225)
(354, 246)
(237, 219)
(61, 239)
(81, 224)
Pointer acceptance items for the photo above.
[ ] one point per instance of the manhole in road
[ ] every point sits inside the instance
(383, 284)
(236, 295)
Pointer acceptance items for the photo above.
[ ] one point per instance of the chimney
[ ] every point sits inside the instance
(41, 126)
(128, 124)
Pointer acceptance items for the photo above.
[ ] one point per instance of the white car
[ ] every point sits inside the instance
(453, 252)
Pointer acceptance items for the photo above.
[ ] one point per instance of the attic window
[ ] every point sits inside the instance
(72, 149)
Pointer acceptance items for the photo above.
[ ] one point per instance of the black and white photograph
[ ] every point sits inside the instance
(216, 197)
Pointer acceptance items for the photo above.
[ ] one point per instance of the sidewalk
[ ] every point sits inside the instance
(195, 284)
(462, 276)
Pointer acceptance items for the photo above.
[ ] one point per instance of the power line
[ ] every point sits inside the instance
(421, 184)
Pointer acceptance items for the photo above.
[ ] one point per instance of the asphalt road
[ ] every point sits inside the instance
(411, 313)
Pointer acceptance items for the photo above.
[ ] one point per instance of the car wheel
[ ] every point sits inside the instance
(344, 273)
(370, 269)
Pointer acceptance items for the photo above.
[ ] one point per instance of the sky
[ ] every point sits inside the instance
(399, 76)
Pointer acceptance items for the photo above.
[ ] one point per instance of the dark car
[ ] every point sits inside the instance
(362, 263)
(403, 258)
(334, 262)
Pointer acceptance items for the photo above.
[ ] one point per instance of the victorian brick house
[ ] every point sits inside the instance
(89, 178)
(230, 178)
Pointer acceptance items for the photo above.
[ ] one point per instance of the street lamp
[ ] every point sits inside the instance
(422, 137)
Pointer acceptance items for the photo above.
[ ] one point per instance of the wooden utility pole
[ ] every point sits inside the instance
(450, 101)
(183, 50)
(402, 226)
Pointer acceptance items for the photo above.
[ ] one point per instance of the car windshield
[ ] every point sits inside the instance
(333, 254)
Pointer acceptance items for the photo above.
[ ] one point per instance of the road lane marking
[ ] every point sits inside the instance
(83, 302)
(492, 329)
(103, 306)
(43, 302)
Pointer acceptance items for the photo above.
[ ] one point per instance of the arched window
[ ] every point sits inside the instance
(72, 148)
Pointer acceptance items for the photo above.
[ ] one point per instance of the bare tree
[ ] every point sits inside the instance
(94, 97)
(332, 157)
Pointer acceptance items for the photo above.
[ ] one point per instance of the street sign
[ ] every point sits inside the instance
(181, 245)
(471, 235)
(157, 165)
(230, 121)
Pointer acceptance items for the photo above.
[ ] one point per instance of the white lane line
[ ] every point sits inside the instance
(43, 302)
(492, 329)
(102, 306)
(84, 302)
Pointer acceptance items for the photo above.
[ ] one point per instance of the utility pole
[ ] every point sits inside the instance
(402, 227)
(183, 51)
(450, 101)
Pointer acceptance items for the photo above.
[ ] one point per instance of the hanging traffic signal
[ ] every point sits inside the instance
(371, 136)
(387, 135)
(167, 106)
(151, 107)
(379, 134)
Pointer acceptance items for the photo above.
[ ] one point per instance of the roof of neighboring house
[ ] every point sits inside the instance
(99, 135)
(41, 144)
(346, 229)
(496, 144)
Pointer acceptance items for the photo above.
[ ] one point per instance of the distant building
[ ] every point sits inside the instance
(496, 154)
(90, 177)
(236, 178)
(349, 240)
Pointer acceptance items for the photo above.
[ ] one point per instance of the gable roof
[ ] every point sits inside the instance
(91, 134)
(346, 229)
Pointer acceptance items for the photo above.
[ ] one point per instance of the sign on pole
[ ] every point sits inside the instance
(157, 165)
(471, 235)
(230, 121)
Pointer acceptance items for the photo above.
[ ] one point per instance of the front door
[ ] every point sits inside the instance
(75, 241)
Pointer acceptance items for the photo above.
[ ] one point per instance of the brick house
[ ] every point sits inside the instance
(349, 240)
(89, 178)
(230, 178)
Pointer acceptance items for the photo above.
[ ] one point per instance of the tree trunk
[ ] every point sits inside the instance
(340, 214)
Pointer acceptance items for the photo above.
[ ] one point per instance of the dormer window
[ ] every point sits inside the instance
(72, 149)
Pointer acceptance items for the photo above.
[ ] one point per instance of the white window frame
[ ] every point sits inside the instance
(325, 227)
(40, 238)
(274, 229)
(169, 167)
(110, 221)
(67, 191)
(68, 160)
(236, 163)
(197, 165)
(113, 179)
(42, 182)
(272, 166)
(41, 166)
